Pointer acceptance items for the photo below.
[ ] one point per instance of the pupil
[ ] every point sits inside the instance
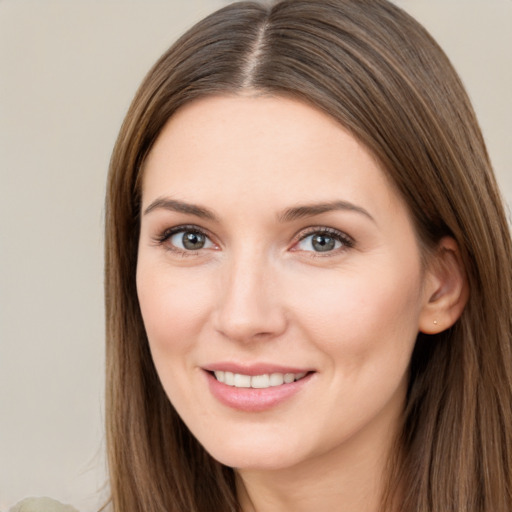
(193, 241)
(322, 243)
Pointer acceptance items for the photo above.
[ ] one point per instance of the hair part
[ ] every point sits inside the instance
(376, 71)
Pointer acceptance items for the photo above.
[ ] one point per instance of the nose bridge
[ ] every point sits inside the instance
(249, 306)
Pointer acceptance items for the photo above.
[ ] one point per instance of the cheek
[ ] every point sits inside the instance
(360, 314)
(174, 307)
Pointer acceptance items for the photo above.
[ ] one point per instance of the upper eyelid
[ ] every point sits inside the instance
(184, 227)
(304, 233)
(162, 239)
(347, 242)
(163, 236)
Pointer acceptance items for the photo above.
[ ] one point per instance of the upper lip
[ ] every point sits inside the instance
(253, 368)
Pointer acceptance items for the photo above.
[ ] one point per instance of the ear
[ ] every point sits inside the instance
(446, 288)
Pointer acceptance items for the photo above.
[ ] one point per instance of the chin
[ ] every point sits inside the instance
(251, 455)
(254, 461)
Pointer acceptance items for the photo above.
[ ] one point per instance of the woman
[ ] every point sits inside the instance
(308, 278)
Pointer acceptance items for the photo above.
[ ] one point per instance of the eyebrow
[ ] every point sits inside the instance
(180, 207)
(288, 215)
(299, 212)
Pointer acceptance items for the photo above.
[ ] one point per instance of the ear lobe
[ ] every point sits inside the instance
(446, 289)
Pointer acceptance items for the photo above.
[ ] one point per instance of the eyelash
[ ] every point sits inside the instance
(339, 236)
(164, 237)
(346, 241)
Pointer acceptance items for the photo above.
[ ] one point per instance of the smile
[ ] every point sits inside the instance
(259, 389)
(266, 380)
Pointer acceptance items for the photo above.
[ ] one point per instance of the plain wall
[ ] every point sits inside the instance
(68, 70)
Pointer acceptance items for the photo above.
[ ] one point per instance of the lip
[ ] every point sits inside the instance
(251, 399)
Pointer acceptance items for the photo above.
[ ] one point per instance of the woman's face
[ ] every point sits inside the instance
(280, 283)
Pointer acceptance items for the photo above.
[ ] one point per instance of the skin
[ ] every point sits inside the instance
(258, 291)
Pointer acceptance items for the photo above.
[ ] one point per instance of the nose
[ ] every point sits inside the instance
(249, 307)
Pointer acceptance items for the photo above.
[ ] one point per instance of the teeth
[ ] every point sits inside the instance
(242, 381)
(289, 378)
(264, 381)
(276, 379)
(260, 381)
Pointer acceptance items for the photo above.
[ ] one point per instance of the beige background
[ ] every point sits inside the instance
(68, 70)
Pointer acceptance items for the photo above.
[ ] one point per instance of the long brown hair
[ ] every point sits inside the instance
(377, 72)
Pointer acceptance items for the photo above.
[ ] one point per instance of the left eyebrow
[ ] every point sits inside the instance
(310, 210)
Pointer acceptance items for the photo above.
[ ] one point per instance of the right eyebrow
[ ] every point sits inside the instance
(174, 205)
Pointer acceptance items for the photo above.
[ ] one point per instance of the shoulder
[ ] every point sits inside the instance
(41, 505)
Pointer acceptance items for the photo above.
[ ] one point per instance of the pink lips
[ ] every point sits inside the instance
(251, 399)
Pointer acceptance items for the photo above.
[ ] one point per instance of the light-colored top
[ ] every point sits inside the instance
(41, 505)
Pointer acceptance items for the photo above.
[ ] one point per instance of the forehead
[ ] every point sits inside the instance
(233, 147)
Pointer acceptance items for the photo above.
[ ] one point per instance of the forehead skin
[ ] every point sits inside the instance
(205, 155)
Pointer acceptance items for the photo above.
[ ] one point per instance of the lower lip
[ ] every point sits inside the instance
(251, 399)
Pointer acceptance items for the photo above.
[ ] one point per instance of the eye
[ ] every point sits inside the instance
(323, 241)
(185, 239)
(190, 240)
